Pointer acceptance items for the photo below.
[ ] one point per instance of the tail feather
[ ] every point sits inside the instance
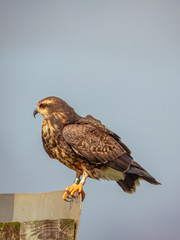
(133, 175)
(129, 183)
(143, 174)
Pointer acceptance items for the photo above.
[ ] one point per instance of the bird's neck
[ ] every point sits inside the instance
(52, 124)
(56, 122)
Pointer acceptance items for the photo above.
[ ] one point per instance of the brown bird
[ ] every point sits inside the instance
(85, 145)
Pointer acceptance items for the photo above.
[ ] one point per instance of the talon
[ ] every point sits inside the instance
(67, 200)
(77, 188)
(65, 195)
(70, 191)
(83, 195)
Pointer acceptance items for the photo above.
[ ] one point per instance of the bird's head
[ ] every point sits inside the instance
(51, 106)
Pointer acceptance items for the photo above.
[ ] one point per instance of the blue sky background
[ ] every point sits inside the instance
(116, 60)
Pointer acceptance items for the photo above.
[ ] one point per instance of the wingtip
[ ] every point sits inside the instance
(158, 183)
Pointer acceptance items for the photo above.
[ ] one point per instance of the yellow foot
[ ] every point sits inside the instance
(70, 191)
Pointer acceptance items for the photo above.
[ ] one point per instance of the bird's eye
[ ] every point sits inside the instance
(42, 106)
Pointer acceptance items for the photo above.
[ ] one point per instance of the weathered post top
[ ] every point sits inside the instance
(41, 215)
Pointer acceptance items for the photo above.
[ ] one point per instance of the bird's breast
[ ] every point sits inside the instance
(56, 147)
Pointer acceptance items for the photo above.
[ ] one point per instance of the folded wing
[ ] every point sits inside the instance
(96, 145)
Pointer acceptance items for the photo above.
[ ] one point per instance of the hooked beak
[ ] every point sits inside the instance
(35, 112)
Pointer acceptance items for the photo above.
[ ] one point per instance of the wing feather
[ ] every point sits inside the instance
(94, 144)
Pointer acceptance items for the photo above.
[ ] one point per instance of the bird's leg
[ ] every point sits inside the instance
(69, 189)
(77, 186)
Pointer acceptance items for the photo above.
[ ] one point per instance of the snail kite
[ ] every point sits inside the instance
(85, 145)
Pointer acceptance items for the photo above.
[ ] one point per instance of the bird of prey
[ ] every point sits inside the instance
(88, 147)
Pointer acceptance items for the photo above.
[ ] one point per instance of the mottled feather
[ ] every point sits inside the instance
(85, 144)
(97, 146)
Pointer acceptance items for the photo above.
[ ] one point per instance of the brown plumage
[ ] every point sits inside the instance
(88, 147)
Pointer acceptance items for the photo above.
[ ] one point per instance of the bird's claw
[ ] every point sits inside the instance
(68, 197)
(72, 191)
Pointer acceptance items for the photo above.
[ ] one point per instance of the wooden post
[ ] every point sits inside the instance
(39, 216)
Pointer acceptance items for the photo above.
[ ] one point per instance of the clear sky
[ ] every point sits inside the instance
(116, 60)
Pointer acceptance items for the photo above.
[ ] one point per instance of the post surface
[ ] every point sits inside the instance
(44, 214)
